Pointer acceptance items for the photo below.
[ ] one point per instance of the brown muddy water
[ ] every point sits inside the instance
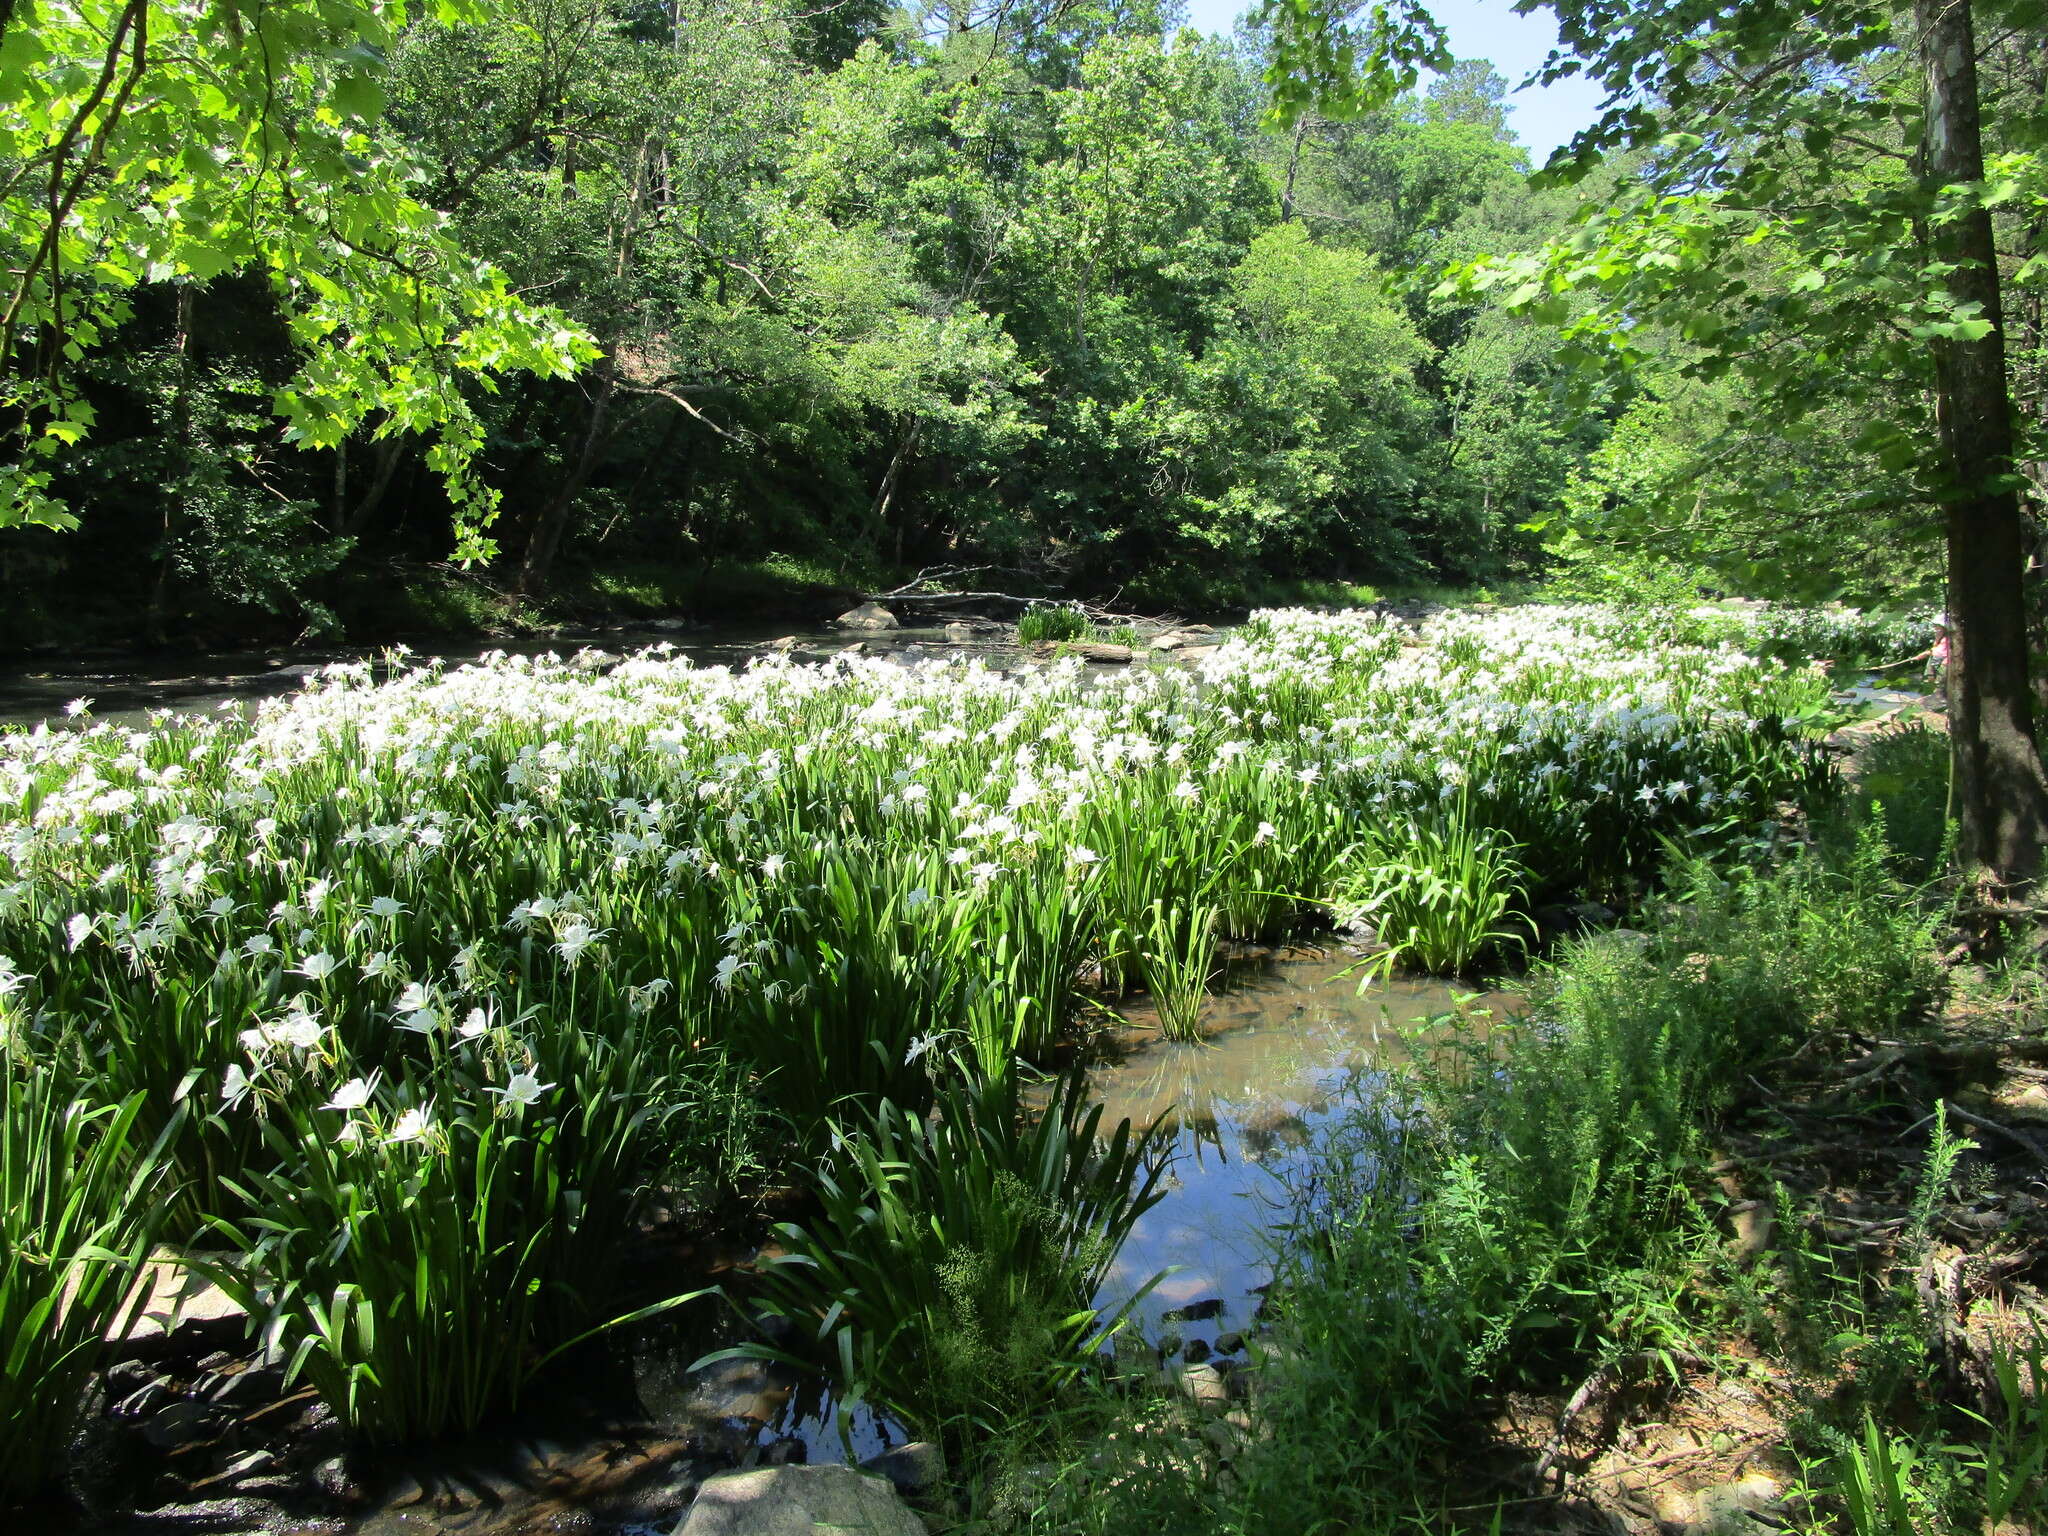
(620, 1448)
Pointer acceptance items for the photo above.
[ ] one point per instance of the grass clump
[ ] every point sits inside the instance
(1049, 623)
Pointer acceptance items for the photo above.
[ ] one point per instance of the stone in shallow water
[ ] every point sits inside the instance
(799, 1501)
(914, 1468)
(866, 616)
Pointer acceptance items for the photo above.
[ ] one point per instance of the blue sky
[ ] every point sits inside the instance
(1544, 117)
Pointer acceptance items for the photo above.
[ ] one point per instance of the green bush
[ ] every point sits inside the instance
(1904, 769)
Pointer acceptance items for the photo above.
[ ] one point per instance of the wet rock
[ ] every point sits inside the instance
(1172, 640)
(913, 1469)
(144, 1401)
(244, 1389)
(1633, 940)
(737, 1389)
(182, 1423)
(239, 1469)
(1205, 1386)
(129, 1376)
(1197, 652)
(1098, 650)
(957, 632)
(799, 1501)
(337, 1480)
(1208, 1308)
(785, 1453)
(786, 643)
(872, 616)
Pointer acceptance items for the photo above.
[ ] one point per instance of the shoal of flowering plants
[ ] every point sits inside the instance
(500, 936)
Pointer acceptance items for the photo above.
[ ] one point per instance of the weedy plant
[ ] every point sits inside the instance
(952, 1273)
(80, 1200)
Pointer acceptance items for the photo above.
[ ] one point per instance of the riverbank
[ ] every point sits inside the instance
(491, 967)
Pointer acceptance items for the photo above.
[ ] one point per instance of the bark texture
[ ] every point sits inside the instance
(2000, 792)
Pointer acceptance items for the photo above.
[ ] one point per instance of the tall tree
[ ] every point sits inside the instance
(1812, 196)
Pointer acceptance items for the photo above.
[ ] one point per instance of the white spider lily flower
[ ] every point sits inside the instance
(576, 937)
(317, 966)
(521, 1089)
(475, 1023)
(1082, 855)
(351, 1095)
(300, 1029)
(773, 866)
(234, 1085)
(78, 930)
(386, 907)
(411, 1126)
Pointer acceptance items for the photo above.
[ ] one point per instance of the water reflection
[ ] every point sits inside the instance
(1291, 1046)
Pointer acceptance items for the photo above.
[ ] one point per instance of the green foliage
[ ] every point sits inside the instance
(1904, 770)
(1052, 624)
(420, 1258)
(1438, 892)
(1529, 1203)
(166, 145)
(78, 1209)
(952, 1273)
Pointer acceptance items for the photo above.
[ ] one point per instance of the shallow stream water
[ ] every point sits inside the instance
(1291, 1045)
(125, 688)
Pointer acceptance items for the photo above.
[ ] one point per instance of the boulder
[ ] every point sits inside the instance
(181, 1313)
(1205, 1387)
(1099, 650)
(913, 1469)
(866, 616)
(799, 1501)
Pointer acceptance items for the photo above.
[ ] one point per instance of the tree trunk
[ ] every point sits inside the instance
(2001, 795)
(553, 518)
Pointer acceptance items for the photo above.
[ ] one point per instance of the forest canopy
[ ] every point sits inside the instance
(310, 297)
